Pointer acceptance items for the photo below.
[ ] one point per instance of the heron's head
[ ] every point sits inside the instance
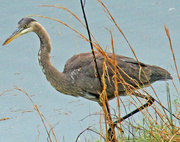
(24, 26)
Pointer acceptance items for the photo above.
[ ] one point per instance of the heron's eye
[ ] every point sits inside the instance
(25, 26)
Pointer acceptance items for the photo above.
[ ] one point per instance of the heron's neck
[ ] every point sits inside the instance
(45, 48)
(52, 74)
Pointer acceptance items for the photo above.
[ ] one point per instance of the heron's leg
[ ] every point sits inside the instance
(150, 101)
(111, 134)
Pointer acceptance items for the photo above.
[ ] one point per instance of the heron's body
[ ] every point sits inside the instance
(80, 70)
(78, 77)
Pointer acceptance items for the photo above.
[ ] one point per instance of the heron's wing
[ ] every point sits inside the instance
(130, 72)
(128, 68)
(86, 60)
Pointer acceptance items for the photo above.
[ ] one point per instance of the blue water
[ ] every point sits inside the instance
(141, 21)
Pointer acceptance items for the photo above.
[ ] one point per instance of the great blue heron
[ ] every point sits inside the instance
(78, 77)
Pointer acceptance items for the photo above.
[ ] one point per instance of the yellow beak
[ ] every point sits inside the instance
(15, 34)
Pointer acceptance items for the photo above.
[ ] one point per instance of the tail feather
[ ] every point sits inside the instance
(159, 74)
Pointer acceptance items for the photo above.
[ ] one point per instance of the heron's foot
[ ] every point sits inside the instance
(111, 133)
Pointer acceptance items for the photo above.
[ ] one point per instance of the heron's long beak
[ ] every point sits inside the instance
(18, 32)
